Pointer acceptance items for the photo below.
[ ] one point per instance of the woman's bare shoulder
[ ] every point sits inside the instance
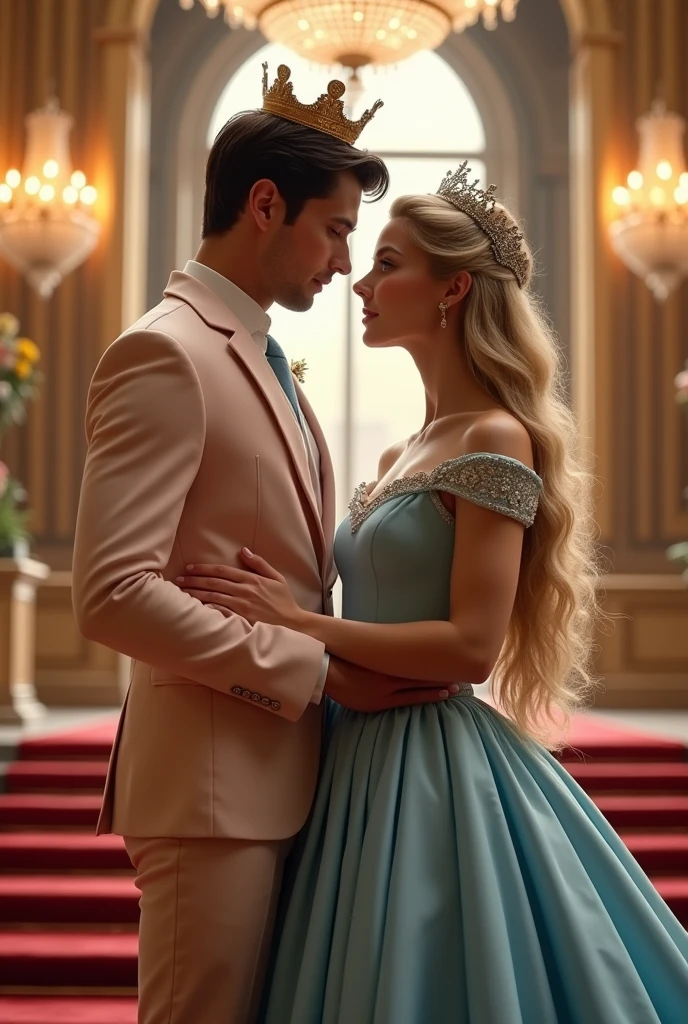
(497, 432)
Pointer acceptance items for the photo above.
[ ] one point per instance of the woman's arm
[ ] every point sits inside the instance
(485, 569)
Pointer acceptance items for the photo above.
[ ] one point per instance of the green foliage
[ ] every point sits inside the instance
(13, 520)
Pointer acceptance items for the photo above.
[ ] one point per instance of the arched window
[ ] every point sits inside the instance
(367, 399)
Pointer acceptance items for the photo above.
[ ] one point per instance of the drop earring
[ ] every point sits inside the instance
(443, 311)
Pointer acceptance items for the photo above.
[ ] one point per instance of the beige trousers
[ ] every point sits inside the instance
(207, 913)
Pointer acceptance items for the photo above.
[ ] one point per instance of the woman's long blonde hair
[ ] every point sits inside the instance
(542, 672)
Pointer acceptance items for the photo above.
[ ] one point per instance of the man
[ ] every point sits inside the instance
(199, 444)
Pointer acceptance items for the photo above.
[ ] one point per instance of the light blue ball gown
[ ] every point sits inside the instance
(452, 872)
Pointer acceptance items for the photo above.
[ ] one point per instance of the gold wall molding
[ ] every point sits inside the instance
(70, 671)
(120, 37)
(643, 649)
(605, 40)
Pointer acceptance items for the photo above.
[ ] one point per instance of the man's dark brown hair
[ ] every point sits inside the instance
(303, 164)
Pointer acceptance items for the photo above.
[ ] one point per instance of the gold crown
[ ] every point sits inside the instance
(325, 115)
(479, 205)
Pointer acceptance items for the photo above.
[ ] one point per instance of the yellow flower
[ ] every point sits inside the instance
(23, 368)
(28, 350)
(8, 324)
(298, 368)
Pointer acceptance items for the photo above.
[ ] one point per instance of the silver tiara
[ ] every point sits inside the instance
(479, 205)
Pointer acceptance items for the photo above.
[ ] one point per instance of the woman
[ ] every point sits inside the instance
(451, 870)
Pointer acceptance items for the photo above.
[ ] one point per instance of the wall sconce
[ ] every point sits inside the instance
(650, 233)
(46, 229)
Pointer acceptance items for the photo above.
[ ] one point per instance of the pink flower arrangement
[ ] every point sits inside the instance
(4, 476)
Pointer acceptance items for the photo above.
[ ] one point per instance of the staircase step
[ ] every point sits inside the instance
(674, 892)
(49, 809)
(67, 1010)
(90, 743)
(68, 899)
(644, 811)
(62, 851)
(68, 958)
(665, 852)
(629, 776)
(55, 775)
(609, 745)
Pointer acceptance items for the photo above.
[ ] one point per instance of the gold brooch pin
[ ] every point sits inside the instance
(298, 368)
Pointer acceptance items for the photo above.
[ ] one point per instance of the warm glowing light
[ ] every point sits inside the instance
(88, 195)
(359, 32)
(41, 233)
(650, 229)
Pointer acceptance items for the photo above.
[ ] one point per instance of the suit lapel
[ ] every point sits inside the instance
(216, 314)
(242, 345)
(327, 483)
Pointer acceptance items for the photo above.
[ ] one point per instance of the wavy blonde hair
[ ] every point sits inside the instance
(542, 673)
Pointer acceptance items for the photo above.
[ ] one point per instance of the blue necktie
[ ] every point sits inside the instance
(281, 369)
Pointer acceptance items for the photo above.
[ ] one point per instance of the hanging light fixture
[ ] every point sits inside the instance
(46, 228)
(650, 233)
(354, 33)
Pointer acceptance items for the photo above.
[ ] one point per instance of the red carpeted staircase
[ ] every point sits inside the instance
(68, 904)
(640, 783)
(69, 908)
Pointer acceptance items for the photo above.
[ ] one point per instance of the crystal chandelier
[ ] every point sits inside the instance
(46, 229)
(358, 32)
(650, 233)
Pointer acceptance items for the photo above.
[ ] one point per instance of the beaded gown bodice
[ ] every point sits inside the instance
(394, 552)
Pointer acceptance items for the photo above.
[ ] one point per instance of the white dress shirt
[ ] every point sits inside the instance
(256, 321)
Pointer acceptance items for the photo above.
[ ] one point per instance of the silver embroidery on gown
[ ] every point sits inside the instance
(496, 482)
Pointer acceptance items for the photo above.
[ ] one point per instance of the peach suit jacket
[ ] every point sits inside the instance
(193, 452)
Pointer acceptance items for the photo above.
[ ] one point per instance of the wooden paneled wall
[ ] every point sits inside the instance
(46, 45)
(642, 437)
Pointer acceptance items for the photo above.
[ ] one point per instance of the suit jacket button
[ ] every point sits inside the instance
(255, 696)
(237, 690)
(276, 705)
(246, 693)
(265, 700)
